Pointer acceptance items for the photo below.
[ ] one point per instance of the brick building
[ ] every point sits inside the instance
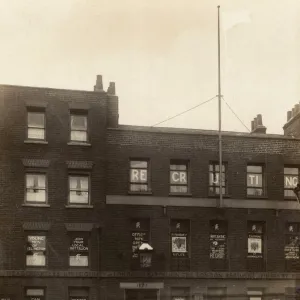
(79, 192)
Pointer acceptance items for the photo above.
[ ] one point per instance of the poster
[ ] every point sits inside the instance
(138, 238)
(254, 246)
(217, 246)
(79, 244)
(179, 244)
(36, 243)
(291, 249)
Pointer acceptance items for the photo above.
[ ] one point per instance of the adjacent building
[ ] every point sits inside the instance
(80, 193)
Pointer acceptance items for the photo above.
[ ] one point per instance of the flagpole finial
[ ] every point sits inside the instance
(218, 6)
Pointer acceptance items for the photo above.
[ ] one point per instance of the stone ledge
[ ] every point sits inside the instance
(35, 205)
(35, 163)
(43, 226)
(36, 142)
(79, 144)
(79, 226)
(87, 165)
(146, 275)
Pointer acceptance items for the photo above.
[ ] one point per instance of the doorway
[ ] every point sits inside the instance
(141, 294)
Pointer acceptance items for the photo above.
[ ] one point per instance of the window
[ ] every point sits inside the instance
(180, 230)
(216, 293)
(292, 239)
(214, 174)
(218, 238)
(78, 189)
(255, 239)
(78, 293)
(180, 293)
(34, 293)
(140, 233)
(178, 177)
(291, 176)
(255, 180)
(36, 251)
(36, 125)
(79, 128)
(255, 294)
(79, 250)
(139, 179)
(35, 188)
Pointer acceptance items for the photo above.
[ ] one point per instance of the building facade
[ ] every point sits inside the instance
(80, 193)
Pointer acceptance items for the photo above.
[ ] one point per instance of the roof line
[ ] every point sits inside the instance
(190, 131)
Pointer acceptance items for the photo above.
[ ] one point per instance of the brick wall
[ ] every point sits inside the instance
(57, 152)
(271, 150)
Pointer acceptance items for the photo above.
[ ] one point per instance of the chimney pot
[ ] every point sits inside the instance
(259, 120)
(99, 85)
(297, 109)
(289, 115)
(252, 125)
(293, 112)
(111, 89)
(255, 123)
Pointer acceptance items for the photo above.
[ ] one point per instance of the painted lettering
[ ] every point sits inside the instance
(291, 181)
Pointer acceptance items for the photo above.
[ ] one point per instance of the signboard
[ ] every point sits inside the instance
(138, 237)
(142, 285)
(179, 244)
(79, 244)
(291, 249)
(178, 177)
(217, 246)
(138, 175)
(36, 243)
(254, 246)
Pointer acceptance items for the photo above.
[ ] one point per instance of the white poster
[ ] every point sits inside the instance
(179, 244)
(254, 245)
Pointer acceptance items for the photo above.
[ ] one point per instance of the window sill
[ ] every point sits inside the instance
(180, 195)
(35, 142)
(257, 197)
(35, 205)
(218, 196)
(139, 193)
(79, 144)
(79, 206)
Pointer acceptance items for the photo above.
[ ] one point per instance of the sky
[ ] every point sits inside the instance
(162, 55)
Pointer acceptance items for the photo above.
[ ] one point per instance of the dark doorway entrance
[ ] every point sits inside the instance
(141, 294)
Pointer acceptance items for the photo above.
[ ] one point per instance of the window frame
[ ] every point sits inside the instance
(72, 235)
(35, 233)
(78, 290)
(215, 164)
(148, 182)
(180, 162)
(79, 174)
(289, 174)
(31, 171)
(79, 113)
(251, 223)
(263, 188)
(36, 110)
(34, 288)
(187, 224)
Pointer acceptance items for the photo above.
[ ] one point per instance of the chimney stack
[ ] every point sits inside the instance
(292, 125)
(257, 125)
(99, 85)
(111, 89)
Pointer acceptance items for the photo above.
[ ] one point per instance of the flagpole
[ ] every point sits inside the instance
(220, 114)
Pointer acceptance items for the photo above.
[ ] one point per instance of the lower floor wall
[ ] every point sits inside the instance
(142, 289)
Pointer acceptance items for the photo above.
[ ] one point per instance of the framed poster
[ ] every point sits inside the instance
(217, 246)
(179, 244)
(255, 246)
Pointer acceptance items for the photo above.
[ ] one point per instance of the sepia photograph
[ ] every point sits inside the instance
(149, 150)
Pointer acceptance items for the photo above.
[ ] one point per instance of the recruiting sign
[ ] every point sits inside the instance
(179, 244)
(36, 243)
(79, 244)
(138, 237)
(254, 246)
(217, 246)
(291, 249)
